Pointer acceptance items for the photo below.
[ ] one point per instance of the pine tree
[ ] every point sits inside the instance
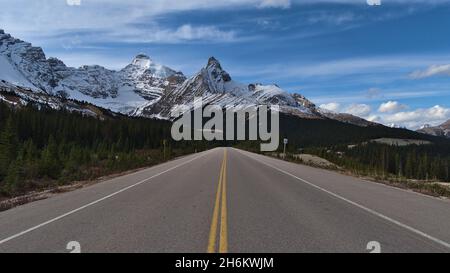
(8, 146)
(50, 164)
(14, 182)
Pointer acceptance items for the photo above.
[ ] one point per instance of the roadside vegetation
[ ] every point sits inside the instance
(393, 156)
(422, 168)
(45, 148)
(420, 162)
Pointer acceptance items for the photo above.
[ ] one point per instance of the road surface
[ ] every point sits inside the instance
(228, 200)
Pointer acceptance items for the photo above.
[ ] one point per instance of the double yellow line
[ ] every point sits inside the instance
(220, 206)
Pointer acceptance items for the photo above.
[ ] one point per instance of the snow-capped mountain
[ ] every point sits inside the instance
(441, 130)
(216, 86)
(142, 88)
(135, 87)
(148, 79)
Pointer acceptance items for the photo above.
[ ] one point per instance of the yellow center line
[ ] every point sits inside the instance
(223, 243)
(220, 196)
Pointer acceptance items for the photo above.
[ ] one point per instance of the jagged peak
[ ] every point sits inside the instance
(303, 101)
(213, 62)
(2, 31)
(143, 64)
(215, 70)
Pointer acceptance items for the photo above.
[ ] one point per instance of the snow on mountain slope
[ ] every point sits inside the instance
(9, 74)
(143, 64)
(29, 61)
(128, 91)
(441, 130)
(150, 80)
(142, 88)
(216, 86)
(94, 81)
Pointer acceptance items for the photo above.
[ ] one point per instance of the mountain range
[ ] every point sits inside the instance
(143, 88)
(442, 130)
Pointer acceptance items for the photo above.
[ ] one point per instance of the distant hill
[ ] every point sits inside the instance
(442, 130)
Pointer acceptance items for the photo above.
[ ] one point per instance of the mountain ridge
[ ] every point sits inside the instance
(144, 88)
(442, 130)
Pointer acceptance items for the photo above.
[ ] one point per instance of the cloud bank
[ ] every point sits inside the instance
(431, 71)
(392, 113)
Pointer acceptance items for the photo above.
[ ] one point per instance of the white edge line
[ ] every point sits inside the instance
(416, 231)
(97, 201)
(439, 198)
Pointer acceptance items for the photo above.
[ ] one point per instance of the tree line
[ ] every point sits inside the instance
(421, 162)
(41, 147)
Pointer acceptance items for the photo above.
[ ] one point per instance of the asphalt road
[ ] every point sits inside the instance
(227, 200)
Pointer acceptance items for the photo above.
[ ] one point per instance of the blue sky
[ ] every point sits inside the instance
(387, 63)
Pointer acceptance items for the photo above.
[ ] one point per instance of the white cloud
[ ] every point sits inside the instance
(356, 97)
(20, 16)
(332, 18)
(46, 15)
(275, 4)
(414, 119)
(385, 65)
(51, 21)
(188, 32)
(73, 2)
(181, 34)
(391, 115)
(373, 2)
(433, 70)
(391, 107)
(374, 118)
(360, 110)
(332, 106)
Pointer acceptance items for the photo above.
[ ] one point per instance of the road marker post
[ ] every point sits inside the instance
(285, 142)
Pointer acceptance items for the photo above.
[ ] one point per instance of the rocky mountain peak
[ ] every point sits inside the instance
(303, 101)
(441, 130)
(143, 66)
(142, 88)
(216, 72)
(213, 62)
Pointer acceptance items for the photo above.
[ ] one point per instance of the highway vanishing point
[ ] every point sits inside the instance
(229, 200)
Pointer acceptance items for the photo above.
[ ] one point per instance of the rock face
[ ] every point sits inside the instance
(442, 130)
(29, 60)
(94, 81)
(142, 88)
(138, 85)
(216, 86)
(148, 79)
